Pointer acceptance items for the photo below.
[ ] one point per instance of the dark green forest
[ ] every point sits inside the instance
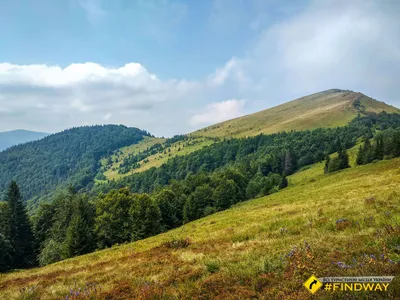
(76, 221)
(70, 156)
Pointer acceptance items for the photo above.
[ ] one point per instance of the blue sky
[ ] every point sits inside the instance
(172, 66)
(171, 38)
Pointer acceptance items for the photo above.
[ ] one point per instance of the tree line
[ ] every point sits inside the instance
(385, 145)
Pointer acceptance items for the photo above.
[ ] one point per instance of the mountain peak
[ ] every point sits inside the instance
(330, 108)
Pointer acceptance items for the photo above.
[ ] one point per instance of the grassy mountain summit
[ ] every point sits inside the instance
(329, 108)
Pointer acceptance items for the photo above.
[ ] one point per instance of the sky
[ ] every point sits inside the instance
(174, 66)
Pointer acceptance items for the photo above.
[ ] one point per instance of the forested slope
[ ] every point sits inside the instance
(72, 155)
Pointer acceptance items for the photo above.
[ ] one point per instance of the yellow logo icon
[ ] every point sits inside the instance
(312, 284)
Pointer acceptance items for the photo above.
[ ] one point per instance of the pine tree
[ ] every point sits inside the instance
(379, 150)
(344, 159)
(19, 229)
(327, 162)
(79, 239)
(146, 216)
(284, 182)
(288, 165)
(368, 151)
(360, 156)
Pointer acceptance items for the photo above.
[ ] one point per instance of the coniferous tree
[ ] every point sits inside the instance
(5, 254)
(284, 182)
(19, 229)
(79, 237)
(360, 156)
(344, 159)
(146, 217)
(379, 150)
(327, 162)
(288, 165)
(369, 154)
(43, 222)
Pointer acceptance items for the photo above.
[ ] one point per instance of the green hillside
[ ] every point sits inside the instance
(70, 156)
(244, 252)
(329, 108)
(112, 163)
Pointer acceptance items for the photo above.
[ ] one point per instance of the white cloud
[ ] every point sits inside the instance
(43, 97)
(232, 72)
(218, 112)
(326, 44)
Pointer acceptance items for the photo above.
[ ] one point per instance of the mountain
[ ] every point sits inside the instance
(325, 109)
(16, 137)
(71, 156)
(329, 108)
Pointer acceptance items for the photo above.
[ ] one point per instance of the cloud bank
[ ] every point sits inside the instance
(218, 112)
(325, 44)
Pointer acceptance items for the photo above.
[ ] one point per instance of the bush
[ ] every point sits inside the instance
(369, 201)
(342, 224)
(177, 243)
(51, 253)
(212, 266)
(209, 210)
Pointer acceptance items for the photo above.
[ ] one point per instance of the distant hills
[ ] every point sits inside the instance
(329, 108)
(16, 137)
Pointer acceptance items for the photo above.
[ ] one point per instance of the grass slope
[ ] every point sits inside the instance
(242, 253)
(156, 160)
(325, 109)
(112, 172)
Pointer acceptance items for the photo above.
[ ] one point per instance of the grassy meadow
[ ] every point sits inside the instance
(341, 224)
